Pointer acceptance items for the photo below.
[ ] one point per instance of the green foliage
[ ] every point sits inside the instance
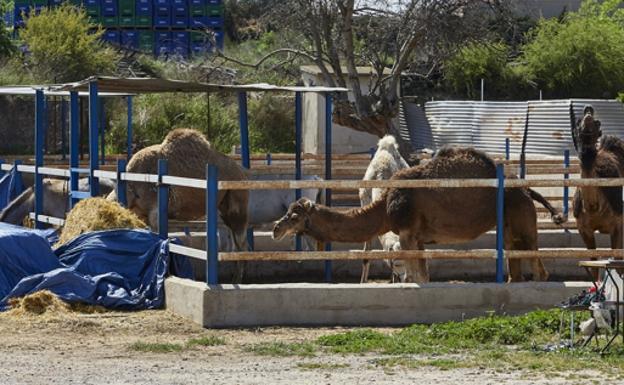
(148, 347)
(6, 45)
(206, 341)
(485, 60)
(62, 47)
(581, 55)
(281, 349)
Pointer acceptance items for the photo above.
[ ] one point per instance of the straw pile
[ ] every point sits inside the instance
(97, 214)
(37, 303)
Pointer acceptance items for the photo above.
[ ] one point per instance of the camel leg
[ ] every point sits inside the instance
(366, 263)
(417, 269)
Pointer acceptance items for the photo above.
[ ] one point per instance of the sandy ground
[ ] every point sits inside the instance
(95, 349)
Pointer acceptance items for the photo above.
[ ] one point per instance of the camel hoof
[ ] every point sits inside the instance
(559, 219)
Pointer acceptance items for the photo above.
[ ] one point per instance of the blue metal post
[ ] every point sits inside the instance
(507, 149)
(372, 151)
(269, 159)
(163, 201)
(74, 143)
(45, 124)
(500, 209)
(102, 133)
(19, 184)
(63, 128)
(298, 135)
(129, 126)
(39, 143)
(212, 245)
(122, 197)
(328, 176)
(1, 170)
(566, 175)
(93, 137)
(244, 141)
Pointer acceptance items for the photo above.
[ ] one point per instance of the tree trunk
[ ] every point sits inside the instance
(375, 124)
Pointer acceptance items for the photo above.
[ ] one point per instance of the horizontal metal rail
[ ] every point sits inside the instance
(417, 254)
(188, 251)
(48, 219)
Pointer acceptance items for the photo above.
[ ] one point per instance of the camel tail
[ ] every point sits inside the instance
(557, 217)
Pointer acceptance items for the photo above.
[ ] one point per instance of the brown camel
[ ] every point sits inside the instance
(187, 153)
(598, 208)
(430, 215)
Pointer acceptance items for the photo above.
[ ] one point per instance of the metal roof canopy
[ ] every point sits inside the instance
(154, 85)
(31, 89)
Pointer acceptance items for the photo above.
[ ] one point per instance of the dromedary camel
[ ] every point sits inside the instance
(187, 153)
(430, 215)
(598, 208)
(386, 162)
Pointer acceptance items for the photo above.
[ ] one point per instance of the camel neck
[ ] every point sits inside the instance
(356, 225)
(587, 156)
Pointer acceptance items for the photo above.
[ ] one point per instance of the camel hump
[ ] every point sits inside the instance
(186, 136)
(613, 145)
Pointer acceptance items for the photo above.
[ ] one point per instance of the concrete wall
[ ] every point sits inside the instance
(356, 305)
(344, 140)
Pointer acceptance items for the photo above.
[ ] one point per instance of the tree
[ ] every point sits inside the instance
(62, 47)
(6, 46)
(399, 36)
(580, 55)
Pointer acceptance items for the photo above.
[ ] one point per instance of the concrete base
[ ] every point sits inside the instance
(305, 304)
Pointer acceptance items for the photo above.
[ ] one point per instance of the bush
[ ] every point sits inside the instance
(62, 48)
(581, 55)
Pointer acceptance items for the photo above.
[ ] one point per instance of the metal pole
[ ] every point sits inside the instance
(566, 175)
(212, 245)
(507, 149)
(101, 132)
(39, 143)
(163, 201)
(482, 88)
(1, 170)
(19, 185)
(129, 126)
(63, 128)
(328, 176)
(122, 197)
(93, 137)
(74, 143)
(269, 159)
(244, 142)
(298, 136)
(500, 208)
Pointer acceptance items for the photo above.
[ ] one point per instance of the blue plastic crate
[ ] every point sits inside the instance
(18, 12)
(198, 2)
(180, 21)
(111, 36)
(162, 10)
(92, 3)
(214, 2)
(198, 22)
(180, 10)
(109, 2)
(109, 10)
(200, 48)
(214, 22)
(55, 3)
(143, 7)
(130, 38)
(161, 21)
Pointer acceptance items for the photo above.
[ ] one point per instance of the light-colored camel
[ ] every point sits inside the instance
(187, 152)
(430, 215)
(55, 199)
(598, 208)
(386, 162)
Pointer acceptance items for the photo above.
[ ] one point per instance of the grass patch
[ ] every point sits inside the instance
(320, 365)
(282, 349)
(147, 347)
(206, 341)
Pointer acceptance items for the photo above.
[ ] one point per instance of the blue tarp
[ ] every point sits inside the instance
(117, 269)
(10, 187)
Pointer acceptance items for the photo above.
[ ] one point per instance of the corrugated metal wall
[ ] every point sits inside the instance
(485, 125)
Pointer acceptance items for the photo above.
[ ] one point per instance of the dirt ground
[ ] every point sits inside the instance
(77, 348)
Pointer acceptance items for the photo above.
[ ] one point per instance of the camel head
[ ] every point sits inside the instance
(295, 220)
(588, 129)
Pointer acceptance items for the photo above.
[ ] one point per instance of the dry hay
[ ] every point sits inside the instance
(95, 214)
(37, 303)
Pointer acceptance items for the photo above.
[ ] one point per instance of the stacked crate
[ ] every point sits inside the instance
(161, 27)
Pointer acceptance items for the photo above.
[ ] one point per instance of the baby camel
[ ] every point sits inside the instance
(430, 215)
